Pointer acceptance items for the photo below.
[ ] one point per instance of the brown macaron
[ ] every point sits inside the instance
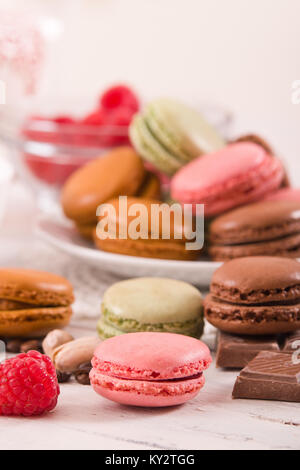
(145, 245)
(264, 228)
(255, 296)
(119, 172)
(32, 303)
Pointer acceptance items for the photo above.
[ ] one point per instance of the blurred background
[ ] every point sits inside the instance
(237, 59)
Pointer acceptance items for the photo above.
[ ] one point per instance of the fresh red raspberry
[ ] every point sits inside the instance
(121, 117)
(63, 120)
(119, 96)
(96, 118)
(28, 385)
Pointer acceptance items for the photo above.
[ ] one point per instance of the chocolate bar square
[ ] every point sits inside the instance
(270, 376)
(235, 352)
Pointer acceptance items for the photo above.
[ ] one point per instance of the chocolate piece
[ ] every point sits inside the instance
(270, 376)
(82, 374)
(235, 352)
(13, 346)
(62, 377)
(291, 342)
(32, 345)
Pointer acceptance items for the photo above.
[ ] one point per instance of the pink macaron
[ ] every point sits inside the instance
(285, 194)
(238, 174)
(150, 369)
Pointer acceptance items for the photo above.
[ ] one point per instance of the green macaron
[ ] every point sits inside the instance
(169, 134)
(150, 148)
(151, 304)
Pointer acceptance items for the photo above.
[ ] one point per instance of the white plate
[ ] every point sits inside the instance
(60, 234)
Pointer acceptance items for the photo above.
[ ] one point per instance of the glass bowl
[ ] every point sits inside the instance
(46, 153)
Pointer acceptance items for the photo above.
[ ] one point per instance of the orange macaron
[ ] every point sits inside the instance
(144, 244)
(120, 172)
(32, 303)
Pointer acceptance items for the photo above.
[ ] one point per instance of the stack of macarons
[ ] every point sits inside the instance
(119, 172)
(151, 304)
(237, 183)
(254, 302)
(257, 295)
(169, 134)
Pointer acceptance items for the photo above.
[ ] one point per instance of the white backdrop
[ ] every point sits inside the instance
(242, 54)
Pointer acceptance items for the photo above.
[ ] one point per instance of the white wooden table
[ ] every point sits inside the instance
(84, 420)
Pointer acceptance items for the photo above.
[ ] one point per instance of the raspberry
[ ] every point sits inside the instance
(96, 118)
(63, 120)
(121, 117)
(28, 385)
(119, 96)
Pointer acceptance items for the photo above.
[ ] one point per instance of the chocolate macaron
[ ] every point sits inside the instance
(255, 296)
(263, 228)
(32, 303)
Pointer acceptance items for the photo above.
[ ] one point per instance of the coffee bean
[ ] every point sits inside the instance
(32, 345)
(82, 373)
(83, 378)
(13, 346)
(62, 377)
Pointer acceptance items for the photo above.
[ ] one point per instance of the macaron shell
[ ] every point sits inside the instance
(257, 280)
(145, 394)
(153, 300)
(120, 172)
(107, 329)
(222, 169)
(289, 247)
(160, 249)
(261, 221)
(33, 323)
(35, 287)
(233, 176)
(154, 356)
(182, 129)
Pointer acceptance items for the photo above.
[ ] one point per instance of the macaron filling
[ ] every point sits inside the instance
(255, 313)
(118, 370)
(258, 296)
(108, 319)
(169, 387)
